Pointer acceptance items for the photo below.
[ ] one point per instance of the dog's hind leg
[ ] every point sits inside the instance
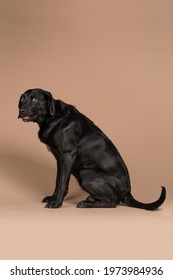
(102, 194)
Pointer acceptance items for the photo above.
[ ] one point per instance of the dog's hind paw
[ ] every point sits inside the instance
(95, 204)
(83, 204)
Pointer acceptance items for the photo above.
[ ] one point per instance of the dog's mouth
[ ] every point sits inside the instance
(27, 118)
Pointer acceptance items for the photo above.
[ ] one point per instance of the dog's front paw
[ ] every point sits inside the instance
(53, 204)
(48, 199)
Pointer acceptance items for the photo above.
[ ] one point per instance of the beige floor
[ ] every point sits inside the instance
(30, 231)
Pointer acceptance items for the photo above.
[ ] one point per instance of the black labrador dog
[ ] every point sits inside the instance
(83, 150)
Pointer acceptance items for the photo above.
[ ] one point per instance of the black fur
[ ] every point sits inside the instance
(83, 150)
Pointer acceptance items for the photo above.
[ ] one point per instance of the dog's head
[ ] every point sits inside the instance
(35, 104)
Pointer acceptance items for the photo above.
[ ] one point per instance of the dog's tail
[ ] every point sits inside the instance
(130, 201)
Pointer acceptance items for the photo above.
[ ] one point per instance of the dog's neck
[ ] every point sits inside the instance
(41, 120)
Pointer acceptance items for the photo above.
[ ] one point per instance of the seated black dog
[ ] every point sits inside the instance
(83, 150)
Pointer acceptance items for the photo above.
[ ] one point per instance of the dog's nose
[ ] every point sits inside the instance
(22, 111)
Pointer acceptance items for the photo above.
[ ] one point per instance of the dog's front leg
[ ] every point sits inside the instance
(64, 166)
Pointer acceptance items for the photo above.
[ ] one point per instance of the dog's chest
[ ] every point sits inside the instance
(44, 136)
(47, 139)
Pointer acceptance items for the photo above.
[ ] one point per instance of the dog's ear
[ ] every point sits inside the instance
(51, 103)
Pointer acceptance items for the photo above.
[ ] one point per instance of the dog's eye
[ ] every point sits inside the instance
(34, 100)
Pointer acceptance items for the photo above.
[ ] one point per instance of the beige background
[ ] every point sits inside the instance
(114, 61)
